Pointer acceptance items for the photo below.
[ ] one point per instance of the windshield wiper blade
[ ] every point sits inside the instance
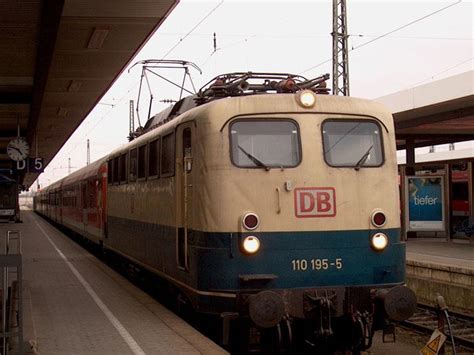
(256, 161)
(363, 158)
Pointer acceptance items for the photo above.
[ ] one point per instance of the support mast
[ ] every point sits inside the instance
(88, 153)
(340, 55)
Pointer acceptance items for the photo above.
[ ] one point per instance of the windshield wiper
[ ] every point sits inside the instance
(363, 158)
(256, 161)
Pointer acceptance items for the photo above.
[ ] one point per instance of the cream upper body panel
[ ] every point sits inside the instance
(227, 192)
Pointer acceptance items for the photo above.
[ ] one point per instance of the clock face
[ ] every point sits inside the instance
(18, 149)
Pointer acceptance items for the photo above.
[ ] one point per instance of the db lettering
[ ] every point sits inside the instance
(315, 202)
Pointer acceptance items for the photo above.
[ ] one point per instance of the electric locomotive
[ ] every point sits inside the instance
(262, 200)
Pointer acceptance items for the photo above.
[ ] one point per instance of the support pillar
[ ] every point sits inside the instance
(402, 187)
(410, 153)
(409, 170)
(448, 186)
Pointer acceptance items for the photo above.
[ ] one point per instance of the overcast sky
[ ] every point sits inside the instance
(285, 36)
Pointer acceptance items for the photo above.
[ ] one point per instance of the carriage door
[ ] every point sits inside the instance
(60, 205)
(184, 188)
(101, 199)
(84, 202)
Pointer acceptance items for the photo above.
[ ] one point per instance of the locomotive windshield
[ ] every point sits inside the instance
(352, 143)
(265, 143)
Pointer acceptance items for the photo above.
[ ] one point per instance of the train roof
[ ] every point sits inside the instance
(265, 104)
(288, 103)
(83, 173)
(237, 85)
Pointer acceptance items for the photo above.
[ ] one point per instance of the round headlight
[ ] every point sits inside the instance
(378, 219)
(250, 221)
(379, 241)
(306, 98)
(251, 244)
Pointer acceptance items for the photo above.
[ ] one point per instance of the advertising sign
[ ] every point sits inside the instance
(424, 210)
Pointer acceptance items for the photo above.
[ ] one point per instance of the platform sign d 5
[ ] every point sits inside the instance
(424, 206)
(30, 165)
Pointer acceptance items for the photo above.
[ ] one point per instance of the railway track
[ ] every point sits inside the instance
(425, 320)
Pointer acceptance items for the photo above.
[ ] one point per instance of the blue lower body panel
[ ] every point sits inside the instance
(299, 260)
(287, 260)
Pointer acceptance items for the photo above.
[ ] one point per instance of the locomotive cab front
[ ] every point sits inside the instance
(302, 210)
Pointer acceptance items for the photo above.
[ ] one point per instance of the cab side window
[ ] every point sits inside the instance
(142, 162)
(154, 158)
(123, 167)
(133, 165)
(167, 155)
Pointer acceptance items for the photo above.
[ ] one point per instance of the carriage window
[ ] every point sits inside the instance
(153, 158)
(133, 165)
(84, 194)
(92, 196)
(167, 155)
(265, 144)
(142, 162)
(352, 143)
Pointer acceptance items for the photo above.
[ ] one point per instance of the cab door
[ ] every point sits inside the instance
(184, 192)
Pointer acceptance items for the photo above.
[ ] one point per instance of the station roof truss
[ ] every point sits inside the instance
(58, 58)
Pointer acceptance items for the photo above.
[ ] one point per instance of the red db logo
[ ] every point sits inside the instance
(315, 202)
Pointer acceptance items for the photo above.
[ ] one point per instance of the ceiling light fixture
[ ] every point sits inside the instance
(97, 38)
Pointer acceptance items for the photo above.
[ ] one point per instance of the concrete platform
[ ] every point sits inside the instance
(436, 266)
(75, 304)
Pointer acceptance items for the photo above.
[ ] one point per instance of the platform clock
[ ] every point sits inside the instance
(18, 149)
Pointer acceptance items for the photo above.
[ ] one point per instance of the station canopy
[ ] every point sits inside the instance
(58, 58)
(435, 113)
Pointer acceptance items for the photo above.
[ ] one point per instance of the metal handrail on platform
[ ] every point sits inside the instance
(11, 293)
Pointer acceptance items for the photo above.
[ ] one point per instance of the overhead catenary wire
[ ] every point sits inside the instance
(440, 72)
(387, 34)
(420, 37)
(245, 40)
(292, 36)
(406, 25)
(269, 35)
(192, 29)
